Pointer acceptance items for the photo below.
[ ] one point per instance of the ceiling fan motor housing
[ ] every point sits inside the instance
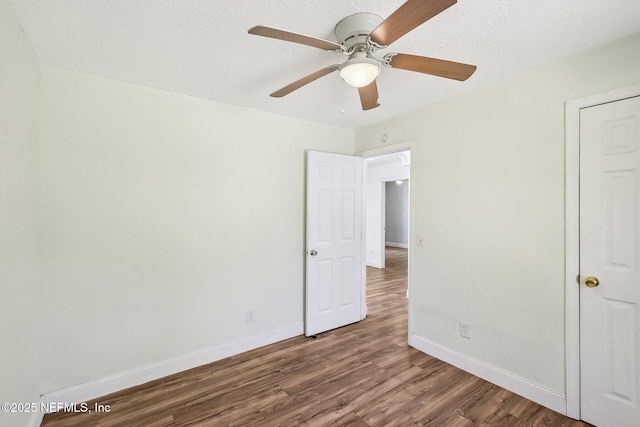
(354, 29)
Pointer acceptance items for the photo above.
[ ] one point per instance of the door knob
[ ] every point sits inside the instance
(313, 252)
(591, 281)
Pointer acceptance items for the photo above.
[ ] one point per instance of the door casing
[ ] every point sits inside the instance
(572, 237)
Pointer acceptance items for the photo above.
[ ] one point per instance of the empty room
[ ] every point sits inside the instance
(199, 209)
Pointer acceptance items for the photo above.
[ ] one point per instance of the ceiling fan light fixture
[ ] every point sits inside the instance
(360, 36)
(360, 70)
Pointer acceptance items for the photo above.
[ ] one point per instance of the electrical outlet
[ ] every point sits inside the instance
(465, 330)
(420, 239)
(248, 316)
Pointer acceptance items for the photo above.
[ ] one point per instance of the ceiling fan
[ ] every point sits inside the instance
(360, 36)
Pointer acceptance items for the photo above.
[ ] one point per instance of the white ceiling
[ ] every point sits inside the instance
(201, 47)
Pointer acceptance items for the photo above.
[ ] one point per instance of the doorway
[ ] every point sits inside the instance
(391, 164)
(598, 148)
(336, 285)
(387, 204)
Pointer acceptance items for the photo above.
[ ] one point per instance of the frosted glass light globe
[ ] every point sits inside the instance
(360, 70)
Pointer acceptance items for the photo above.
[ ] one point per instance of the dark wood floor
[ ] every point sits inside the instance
(360, 375)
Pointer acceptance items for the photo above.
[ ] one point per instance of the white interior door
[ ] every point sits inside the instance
(335, 268)
(610, 253)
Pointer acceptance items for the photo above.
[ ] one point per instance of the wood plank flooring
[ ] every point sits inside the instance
(359, 375)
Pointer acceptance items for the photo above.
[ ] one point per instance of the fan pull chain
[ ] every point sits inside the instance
(342, 110)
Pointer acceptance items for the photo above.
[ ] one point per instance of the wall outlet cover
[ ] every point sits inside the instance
(465, 330)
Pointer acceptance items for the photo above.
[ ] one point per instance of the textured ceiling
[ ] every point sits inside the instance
(201, 47)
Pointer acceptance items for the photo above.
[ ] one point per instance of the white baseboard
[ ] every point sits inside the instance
(397, 245)
(495, 375)
(101, 387)
(36, 419)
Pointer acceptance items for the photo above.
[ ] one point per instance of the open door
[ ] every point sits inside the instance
(335, 267)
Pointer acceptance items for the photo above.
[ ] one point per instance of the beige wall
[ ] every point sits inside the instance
(165, 217)
(19, 270)
(489, 199)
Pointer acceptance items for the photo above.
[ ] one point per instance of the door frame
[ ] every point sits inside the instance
(390, 149)
(572, 237)
(383, 223)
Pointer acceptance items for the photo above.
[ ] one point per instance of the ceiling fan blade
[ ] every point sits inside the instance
(303, 81)
(433, 66)
(369, 96)
(407, 17)
(275, 33)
